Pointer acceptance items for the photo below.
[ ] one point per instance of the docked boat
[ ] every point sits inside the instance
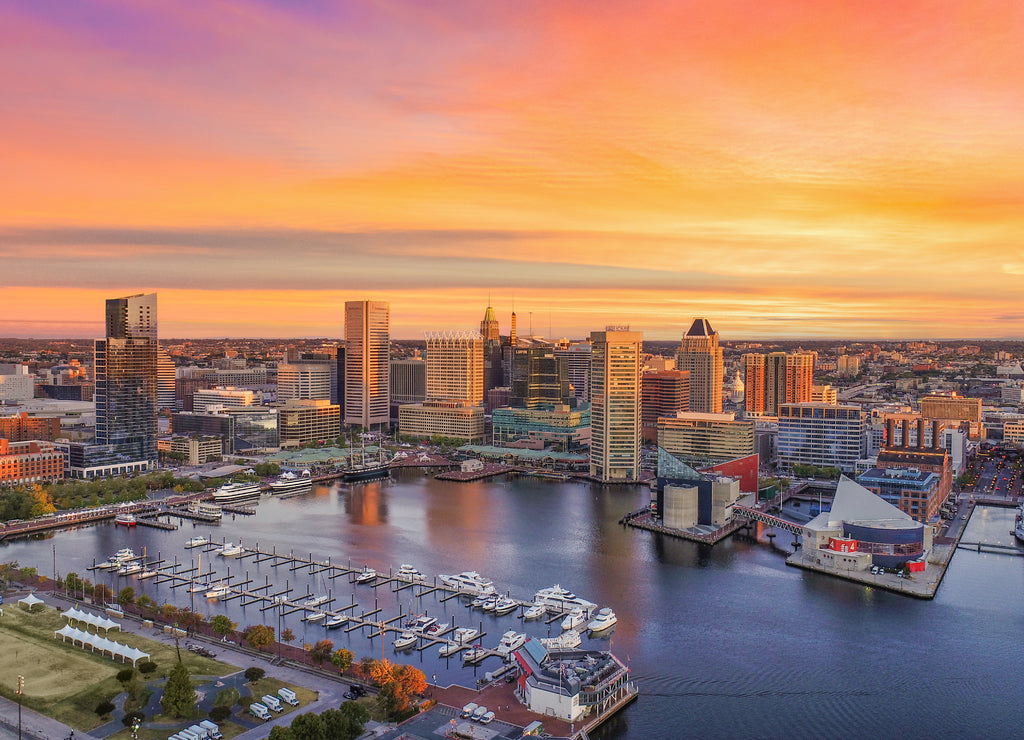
(196, 542)
(230, 550)
(469, 582)
(316, 617)
(504, 605)
(129, 569)
(604, 620)
(465, 635)
(408, 573)
(484, 601)
(219, 591)
(449, 649)
(336, 621)
(535, 612)
(231, 492)
(574, 619)
(510, 642)
(364, 469)
(475, 654)
(289, 482)
(1018, 530)
(420, 624)
(560, 599)
(124, 554)
(205, 510)
(366, 575)
(405, 640)
(126, 520)
(314, 600)
(147, 574)
(566, 641)
(198, 587)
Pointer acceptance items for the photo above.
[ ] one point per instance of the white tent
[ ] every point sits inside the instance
(30, 601)
(100, 623)
(95, 642)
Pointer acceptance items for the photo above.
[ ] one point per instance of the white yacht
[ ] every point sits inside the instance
(464, 635)
(129, 569)
(230, 550)
(560, 599)
(449, 649)
(485, 602)
(574, 619)
(314, 600)
(366, 575)
(1018, 530)
(147, 574)
(420, 624)
(336, 621)
(605, 618)
(316, 617)
(475, 654)
(230, 492)
(535, 612)
(289, 482)
(505, 605)
(510, 642)
(469, 582)
(408, 573)
(196, 542)
(405, 640)
(124, 555)
(566, 641)
(198, 587)
(219, 591)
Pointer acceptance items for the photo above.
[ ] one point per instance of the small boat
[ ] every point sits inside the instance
(230, 550)
(408, 573)
(314, 600)
(127, 520)
(124, 554)
(461, 637)
(219, 591)
(505, 605)
(481, 602)
(475, 654)
(605, 619)
(108, 565)
(420, 624)
(129, 569)
(566, 641)
(575, 618)
(236, 491)
(147, 574)
(405, 640)
(336, 621)
(316, 617)
(289, 482)
(491, 603)
(535, 612)
(510, 642)
(196, 542)
(197, 587)
(449, 649)
(366, 575)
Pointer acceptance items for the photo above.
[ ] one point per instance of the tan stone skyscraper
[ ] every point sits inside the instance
(615, 404)
(489, 326)
(367, 363)
(700, 354)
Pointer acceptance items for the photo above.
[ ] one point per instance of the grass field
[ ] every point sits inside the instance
(67, 682)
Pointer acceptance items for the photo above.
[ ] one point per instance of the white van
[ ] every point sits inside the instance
(212, 730)
(288, 696)
(272, 702)
(259, 711)
(467, 711)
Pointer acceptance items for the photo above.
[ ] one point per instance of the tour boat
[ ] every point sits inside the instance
(230, 492)
(605, 619)
(336, 621)
(469, 582)
(366, 575)
(289, 482)
(510, 642)
(405, 640)
(575, 618)
(566, 641)
(127, 520)
(219, 591)
(408, 573)
(205, 510)
(535, 612)
(196, 542)
(560, 599)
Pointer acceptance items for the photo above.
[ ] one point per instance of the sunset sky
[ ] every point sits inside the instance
(787, 169)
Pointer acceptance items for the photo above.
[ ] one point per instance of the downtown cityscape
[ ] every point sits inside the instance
(401, 370)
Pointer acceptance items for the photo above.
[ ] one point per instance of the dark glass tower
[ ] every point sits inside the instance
(126, 378)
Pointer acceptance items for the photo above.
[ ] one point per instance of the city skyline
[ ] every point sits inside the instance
(832, 170)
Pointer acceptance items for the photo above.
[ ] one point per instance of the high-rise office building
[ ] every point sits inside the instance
(455, 367)
(367, 363)
(577, 362)
(165, 371)
(664, 393)
(489, 327)
(126, 378)
(539, 378)
(775, 379)
(310, 380)
(701, 355)
(615, 404)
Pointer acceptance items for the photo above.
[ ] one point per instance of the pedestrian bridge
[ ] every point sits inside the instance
(757, 515)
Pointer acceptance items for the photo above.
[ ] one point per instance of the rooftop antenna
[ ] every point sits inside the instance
(531, 324)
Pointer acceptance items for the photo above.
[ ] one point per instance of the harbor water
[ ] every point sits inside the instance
(722, 641)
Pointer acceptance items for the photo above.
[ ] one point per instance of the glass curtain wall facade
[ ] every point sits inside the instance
(615, 404)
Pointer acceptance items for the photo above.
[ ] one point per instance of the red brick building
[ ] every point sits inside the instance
(24, 463)
(22, 428)
(663, 393)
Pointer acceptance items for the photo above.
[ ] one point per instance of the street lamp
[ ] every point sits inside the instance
(21, 688)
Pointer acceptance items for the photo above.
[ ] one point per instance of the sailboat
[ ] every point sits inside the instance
(198, 586)
(364, 470)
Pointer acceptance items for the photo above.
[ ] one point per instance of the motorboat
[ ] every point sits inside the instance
(316, 617)
(469, 582)
(237, 491)
(464, 635)
(129, 569)
(574, 619)
(405, 640)
(408, 573)
(510, 642)
(127, 520)
(605, 619)
(449, 649)
(204, 510)
(535, 612)
(1018, 530)
(196, 542)
(230, 550)
(420, 624)
(505, 605)
(198, 587)
(219, 591)
(482, 602)
(491, 603)
(314, 600)
(123, 555)
(289, 482)
(475, 654)
(366, 575)
(147, 574)
(566, 641)
(559, 599)
(336, 621)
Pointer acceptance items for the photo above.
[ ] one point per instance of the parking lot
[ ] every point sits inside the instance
(998, 473)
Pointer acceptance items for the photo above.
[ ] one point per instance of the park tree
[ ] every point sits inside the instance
(104, 707)
(412, 680)
(101, 593)
(147, 667)
(222, 625)
(355, 718)
(73, 583)
(281, 733)
(309, 727)
(342, 659)
(179, 699)
(126, 596)
(287, 635)
(190, 620)
(254, 674)
(364, 669)
(381, 673)
(258, 636)
(219, 713)
(321, 651)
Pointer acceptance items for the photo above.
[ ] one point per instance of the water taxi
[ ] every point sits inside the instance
(127, 520)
